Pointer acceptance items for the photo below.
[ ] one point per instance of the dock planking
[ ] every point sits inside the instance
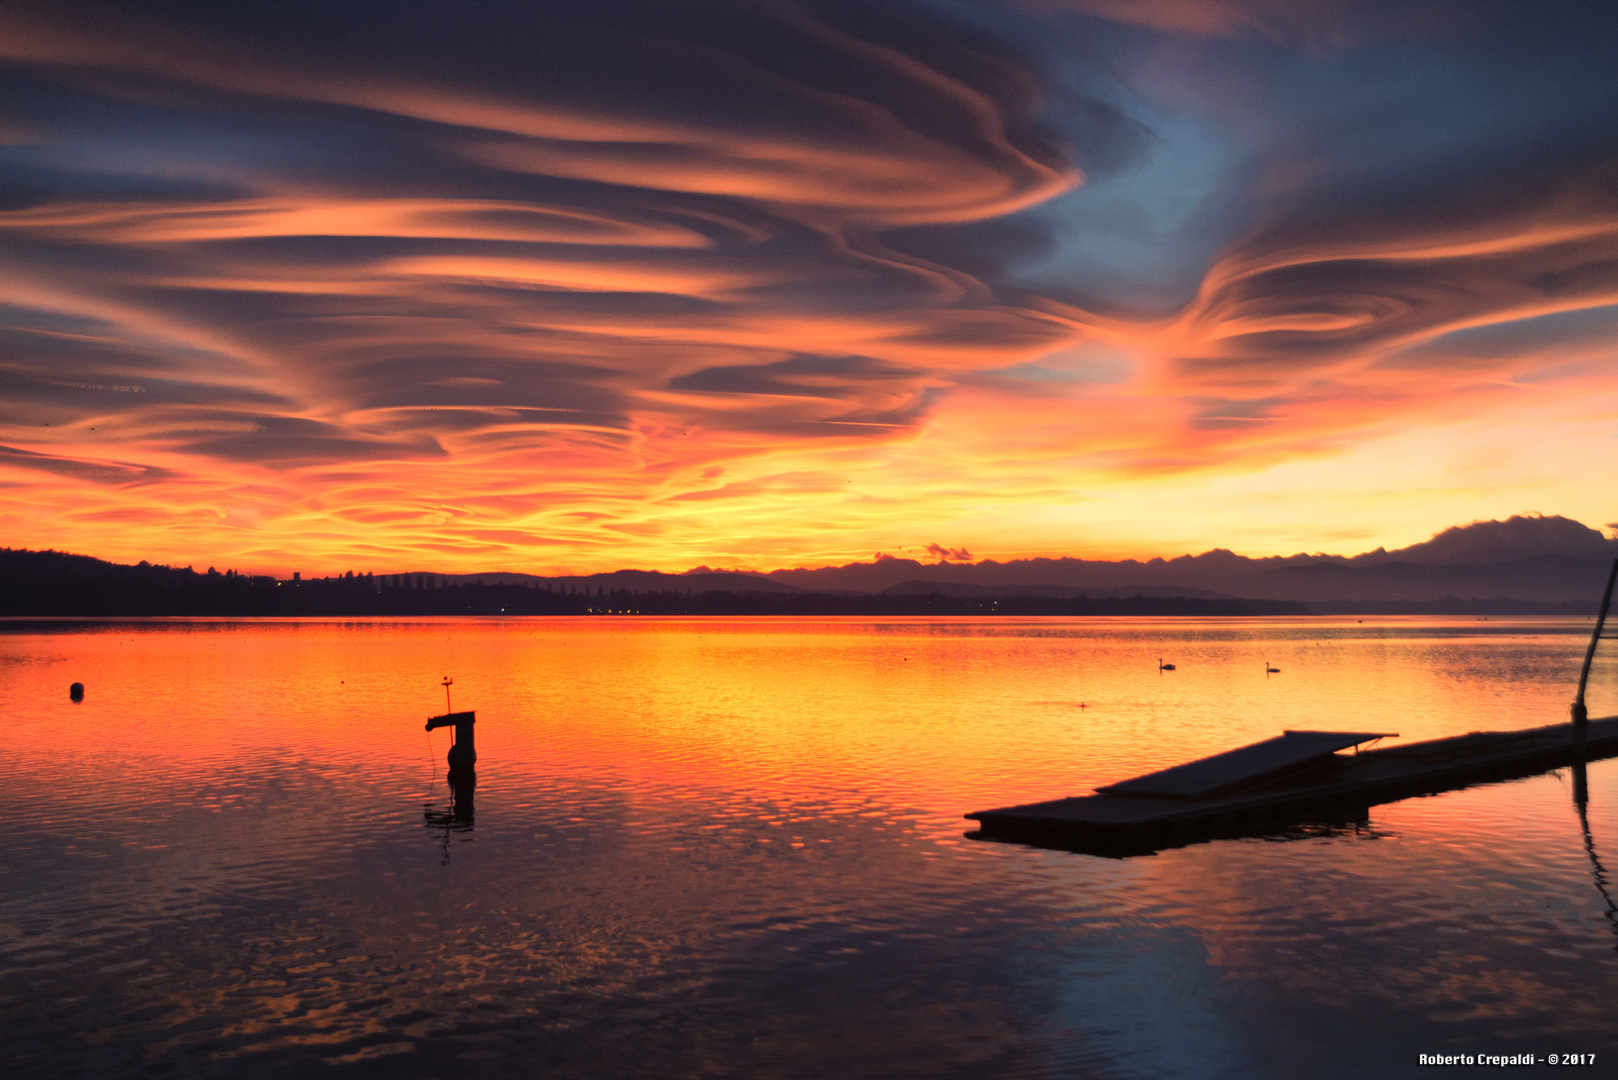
(1294, 777)
(1243, 768)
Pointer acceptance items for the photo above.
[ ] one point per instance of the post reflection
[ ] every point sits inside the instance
(1581, 802)
(460, 814)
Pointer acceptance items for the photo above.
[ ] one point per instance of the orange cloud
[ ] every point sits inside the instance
(318, 313)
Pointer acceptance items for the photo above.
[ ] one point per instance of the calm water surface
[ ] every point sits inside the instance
(734, 848)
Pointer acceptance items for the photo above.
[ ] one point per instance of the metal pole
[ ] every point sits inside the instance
(1581, 715)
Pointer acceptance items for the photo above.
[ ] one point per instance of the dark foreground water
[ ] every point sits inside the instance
(722, 848)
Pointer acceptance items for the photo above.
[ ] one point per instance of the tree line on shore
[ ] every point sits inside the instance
(53, 584)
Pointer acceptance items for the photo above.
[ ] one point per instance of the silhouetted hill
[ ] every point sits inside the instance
(55, 583)
(945, 588)
(1524, 565)
(1542, 578)
(632, 580)
(1523, 537)
(1546, 560)
(1187, 571)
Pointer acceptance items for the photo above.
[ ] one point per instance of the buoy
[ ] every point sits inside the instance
(76, 691)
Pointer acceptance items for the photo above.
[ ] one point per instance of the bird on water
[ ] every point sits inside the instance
(1268, 670)
(1162, 666)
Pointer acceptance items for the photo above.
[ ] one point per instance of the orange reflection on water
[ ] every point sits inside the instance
(943, 716)
(674, 816)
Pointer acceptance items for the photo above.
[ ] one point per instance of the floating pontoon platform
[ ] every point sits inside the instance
(1298, 776)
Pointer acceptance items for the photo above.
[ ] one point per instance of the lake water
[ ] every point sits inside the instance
(734, 848)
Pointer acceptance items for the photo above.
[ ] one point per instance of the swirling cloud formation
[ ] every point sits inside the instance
(574, 286)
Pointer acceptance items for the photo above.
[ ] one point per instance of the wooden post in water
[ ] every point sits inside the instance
(464, 754)
(1581, 715)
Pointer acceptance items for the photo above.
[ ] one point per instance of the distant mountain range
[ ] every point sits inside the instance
(1523, 565)
(1530, 559)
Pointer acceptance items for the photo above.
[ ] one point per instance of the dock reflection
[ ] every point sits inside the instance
(1345, 824)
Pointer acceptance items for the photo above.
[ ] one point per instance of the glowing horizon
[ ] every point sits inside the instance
(607, 286)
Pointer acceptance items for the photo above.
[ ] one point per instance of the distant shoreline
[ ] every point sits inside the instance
(52, 584)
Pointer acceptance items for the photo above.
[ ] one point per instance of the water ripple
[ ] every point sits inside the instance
(736, 849)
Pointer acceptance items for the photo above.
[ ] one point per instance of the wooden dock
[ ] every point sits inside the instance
(1302, 776)
(1298, 776)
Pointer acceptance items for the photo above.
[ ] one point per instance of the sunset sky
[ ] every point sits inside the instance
(567, 287)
